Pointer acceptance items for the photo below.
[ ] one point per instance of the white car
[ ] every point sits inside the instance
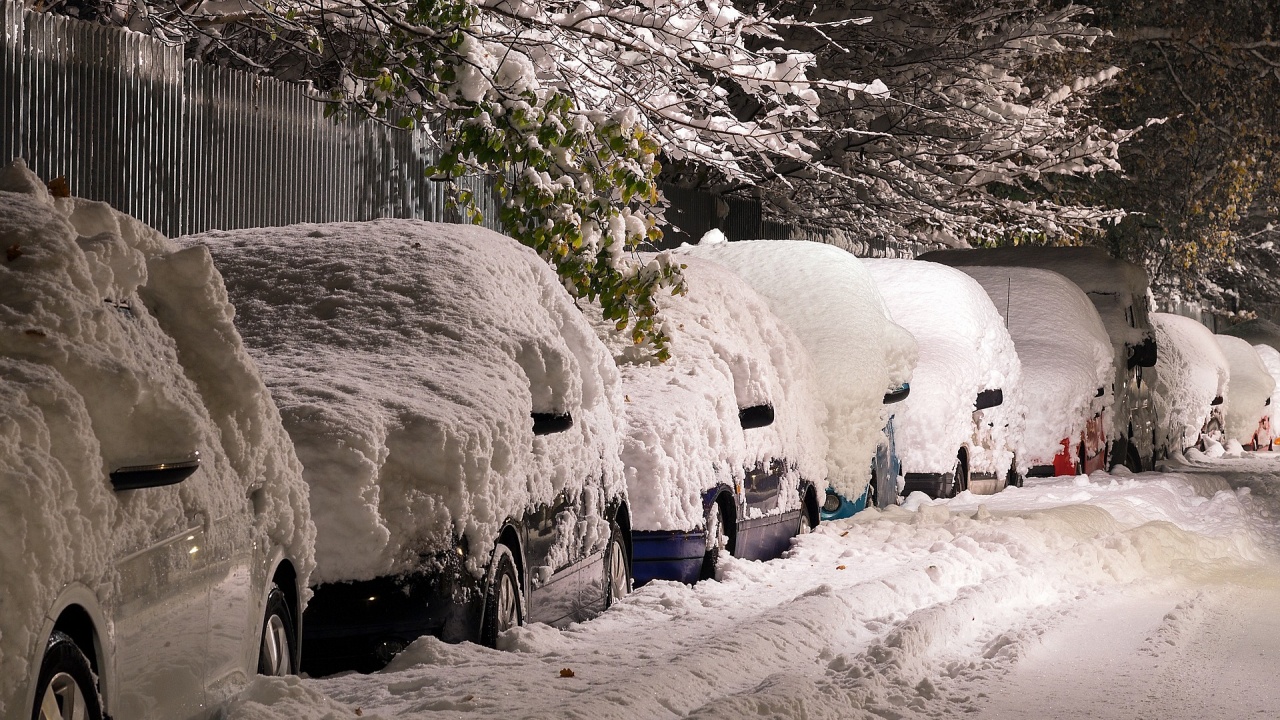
(960, 427)
(724, 447)
(155, 537)
(1248, 393)
(1192, 376)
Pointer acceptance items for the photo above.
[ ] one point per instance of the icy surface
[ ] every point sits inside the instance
(150, 375)
(1190, 372)
(1064, 351)
(1248, 390)
(964, 349)
(728, 351)
(406, 358)
(831, 302)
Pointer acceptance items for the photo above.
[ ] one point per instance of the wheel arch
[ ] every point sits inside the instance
(809, 503)
(78, 614)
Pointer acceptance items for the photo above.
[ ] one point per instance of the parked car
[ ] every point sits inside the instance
(959, 429)
(1248, 394)
(458, 423)
(156, 534)
(1118, 290)
(1271, 360)
(1192, 376)
(724, 446)
(1066, 367)
(862, 358)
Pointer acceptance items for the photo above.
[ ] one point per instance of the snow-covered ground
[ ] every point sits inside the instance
(1107, 596)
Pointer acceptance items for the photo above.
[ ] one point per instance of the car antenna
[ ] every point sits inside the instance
(1008, 293)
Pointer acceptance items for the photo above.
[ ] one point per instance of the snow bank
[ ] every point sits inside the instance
(1250, 387)
(1271, 361)
(728, 351)
(831, 302)
(406, 358)
(1190, 372)
(1065, 353)
(151, 374)
(964, 349)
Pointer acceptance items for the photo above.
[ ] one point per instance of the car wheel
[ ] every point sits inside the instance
(873, 491)
(617, 572)
(503, 604)
(275, 653)
(958, 480)
(717, 541)
(66, 689)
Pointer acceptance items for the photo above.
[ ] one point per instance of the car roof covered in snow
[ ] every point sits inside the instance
(407, 358)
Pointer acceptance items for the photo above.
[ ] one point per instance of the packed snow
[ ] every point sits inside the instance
(117, 349)
(1064, 350)
(1248, 390)
(684, 436)
(406, 358)
(831, 302)
(1191, 372)
(964, 349)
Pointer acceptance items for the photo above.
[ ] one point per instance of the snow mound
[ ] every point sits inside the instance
(1065, 353)
(1190, 372)
(150, 375)
(964, 349)
(1249, 389)
(684, 436)
(830, 300)
(406, 358)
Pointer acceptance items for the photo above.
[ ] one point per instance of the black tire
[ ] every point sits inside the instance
(617, 568)
(873, 491)
(503, 598)
(66, 687)
(959, 480)
(1014, 478)
(277, 648)
(717, 540)
(1132, 459)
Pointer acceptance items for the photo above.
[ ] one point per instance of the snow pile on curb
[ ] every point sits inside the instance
(831, 302)
(1190, 372)
(406, 358)
(150, 375)
(684, 436)
(964, 349)
(1064, 351)
(1247, 392)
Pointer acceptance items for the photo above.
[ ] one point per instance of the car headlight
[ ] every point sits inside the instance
(832, 503)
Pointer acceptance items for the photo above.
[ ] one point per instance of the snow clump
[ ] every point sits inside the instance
(1190, 372)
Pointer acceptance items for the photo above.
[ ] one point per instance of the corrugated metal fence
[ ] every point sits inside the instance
(187, 147)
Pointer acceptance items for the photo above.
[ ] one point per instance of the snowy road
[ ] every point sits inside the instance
(1150, 596)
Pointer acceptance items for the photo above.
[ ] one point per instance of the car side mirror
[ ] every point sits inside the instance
(550, 423)
(988, 399)
(756, 416)
(1216, 401)
(1101, 392)
(1143, 354)
(897, 395)
(136, 477)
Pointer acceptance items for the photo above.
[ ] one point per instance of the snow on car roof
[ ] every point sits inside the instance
(964, 349)
(1191, 370)
(1248, 389)
(1065, 352)
(117, 349)
(831, 302)
(684, 436)
(406, 358)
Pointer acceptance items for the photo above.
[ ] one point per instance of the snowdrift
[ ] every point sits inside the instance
(1190, 372)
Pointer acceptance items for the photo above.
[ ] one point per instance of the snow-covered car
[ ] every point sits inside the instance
(724, 446)
(1249, 390)
(1265, 337)
(1191, 383)
(1118, 290)
(1271, 360)
(959, 429)
(1066, 367)
(155, 537)
(458, 423)
(863, 359)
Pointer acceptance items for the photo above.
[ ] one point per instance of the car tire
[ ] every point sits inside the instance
(873, 491)
(717, 541)
(66, 687)
(617, 568)
(503, 598)
(276, 656)
(959, 481)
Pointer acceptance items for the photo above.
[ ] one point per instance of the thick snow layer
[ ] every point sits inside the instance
(728, 351)
(964, 349)
(1271, 361)
(1190, 372)
(406, 358)
(1250, 387)
(1065, 353)
(831, 302)
(117, 348)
